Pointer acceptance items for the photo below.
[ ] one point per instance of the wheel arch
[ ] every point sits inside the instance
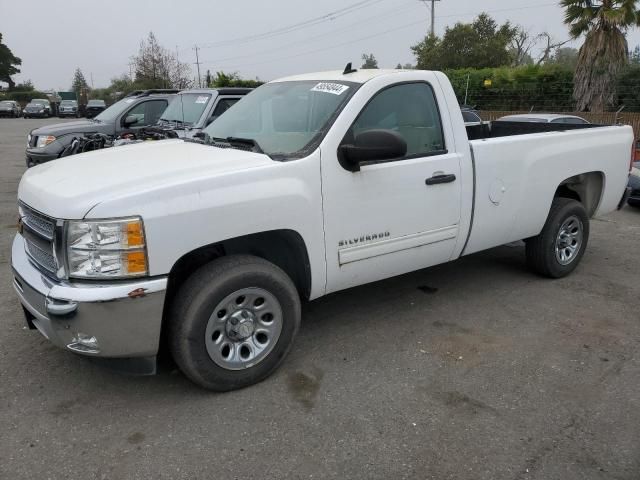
(587, 188)
(284, 248)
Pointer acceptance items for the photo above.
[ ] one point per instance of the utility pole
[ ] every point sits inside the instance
(433, 15)
(198, 64)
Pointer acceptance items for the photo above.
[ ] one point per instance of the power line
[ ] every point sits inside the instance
(363, 22)
(363, 38)
(296, 26)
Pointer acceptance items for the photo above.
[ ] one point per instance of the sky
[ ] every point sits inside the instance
(66, 34)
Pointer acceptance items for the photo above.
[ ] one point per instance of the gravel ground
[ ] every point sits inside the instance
(472, 370)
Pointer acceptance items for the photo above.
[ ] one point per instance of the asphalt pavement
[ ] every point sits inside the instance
(473, 370)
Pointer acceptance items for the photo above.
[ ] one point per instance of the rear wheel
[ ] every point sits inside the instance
(233, 322)
(559, 248)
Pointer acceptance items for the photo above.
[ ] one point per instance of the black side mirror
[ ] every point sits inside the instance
(130, 120)
(371, 146)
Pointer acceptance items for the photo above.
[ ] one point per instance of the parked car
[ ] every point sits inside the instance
(634, 185)
(68, 108)
(544, 118)
(35, 109)
(95, 107)
(192, 110)
(137, 110)
(10, 108)
(309, 185)
(47, 105)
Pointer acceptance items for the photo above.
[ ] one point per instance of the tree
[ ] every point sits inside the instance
(26, 86)
(564, 56)
(604, 52)
(481, 44)
(158, 67)
(520, 47)
(370, 62)
(549, 48)
(79, 83)
(8, 64)
(634, 59)
(233, 80)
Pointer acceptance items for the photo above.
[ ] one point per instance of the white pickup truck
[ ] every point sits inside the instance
(309, 185)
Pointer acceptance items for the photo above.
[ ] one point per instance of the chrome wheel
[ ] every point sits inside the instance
(569, 240)
(243, 328)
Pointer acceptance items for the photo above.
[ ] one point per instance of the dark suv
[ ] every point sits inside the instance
(137, 110)
(95, 107)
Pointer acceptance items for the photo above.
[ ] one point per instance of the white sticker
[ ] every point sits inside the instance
(333, 88)
(202, 99)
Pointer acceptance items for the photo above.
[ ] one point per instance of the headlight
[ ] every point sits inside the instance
(45, 140)
(106, 248)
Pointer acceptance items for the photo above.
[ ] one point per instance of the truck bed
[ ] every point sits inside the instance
(516, 175)
(507, 128)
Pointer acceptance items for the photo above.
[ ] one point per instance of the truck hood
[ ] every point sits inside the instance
(70, 187)
(82, 126)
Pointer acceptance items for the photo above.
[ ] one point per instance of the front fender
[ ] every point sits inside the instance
(181, 218)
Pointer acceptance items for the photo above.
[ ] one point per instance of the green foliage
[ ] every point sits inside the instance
(481, 44)
(8, 64)
(223, 79)
(628, 87)
(565, 56)
(26, 86)
(22, 97)
(547, 87)
(369, 62)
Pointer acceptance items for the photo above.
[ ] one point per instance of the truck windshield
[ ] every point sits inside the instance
(186, 108)
(286, 119)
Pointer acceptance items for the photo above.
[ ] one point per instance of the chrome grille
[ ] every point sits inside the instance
(38, 223)
(41, 257)
(39, 232)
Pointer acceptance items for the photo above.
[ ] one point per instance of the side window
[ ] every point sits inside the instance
(147, 113)
(410, 110)
(223, 105)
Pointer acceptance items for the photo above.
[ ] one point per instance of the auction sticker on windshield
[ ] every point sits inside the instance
(333, 88)
(202, 99)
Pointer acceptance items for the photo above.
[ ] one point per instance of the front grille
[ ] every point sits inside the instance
(39, 234)
(39, 223)
(41, 257)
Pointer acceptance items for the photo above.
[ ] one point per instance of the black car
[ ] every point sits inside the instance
(137, 110)
(10, 108)
(95, 107)
(69, 108)
(36, 109)
(47, 105)
(634, 184)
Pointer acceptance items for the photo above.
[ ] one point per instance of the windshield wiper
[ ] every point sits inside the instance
(244, 141)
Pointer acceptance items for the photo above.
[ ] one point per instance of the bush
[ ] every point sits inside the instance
(22, 97)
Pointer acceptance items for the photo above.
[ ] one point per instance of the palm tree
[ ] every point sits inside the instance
(604, 52)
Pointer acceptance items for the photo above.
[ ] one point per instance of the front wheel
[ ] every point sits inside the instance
(233, 322)
(558, 249)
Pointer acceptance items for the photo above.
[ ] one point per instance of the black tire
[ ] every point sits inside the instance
(195, 303)
(541, 250)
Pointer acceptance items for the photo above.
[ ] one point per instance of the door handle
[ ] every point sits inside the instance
(439, 179)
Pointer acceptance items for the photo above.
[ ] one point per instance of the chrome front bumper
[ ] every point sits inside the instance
(108, 319)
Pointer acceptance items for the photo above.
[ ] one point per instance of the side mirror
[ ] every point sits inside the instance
(130, 120)
(372, 146)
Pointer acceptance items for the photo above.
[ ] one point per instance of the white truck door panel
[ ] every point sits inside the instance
(385, 220)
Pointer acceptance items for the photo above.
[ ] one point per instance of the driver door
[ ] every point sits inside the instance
(390, 217)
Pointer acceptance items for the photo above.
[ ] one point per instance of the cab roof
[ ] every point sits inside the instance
(359, 76)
